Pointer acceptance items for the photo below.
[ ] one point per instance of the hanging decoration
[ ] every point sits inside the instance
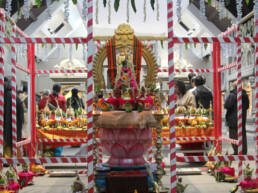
(84, 53)
(201, 47)
(109, 11)
(116, 5)
(202, 8)
(239, 10)
(8, 7)
(84, 10)
(178, 10)
(180, 51)
(48, 2)
(37, 50)
(222, 9)
(157, 4)
(71, 52)
(59, 52)
(105, 3)
(227, 53)
(111, 58)
(46, 52)
(127, 12)
(133, 5)
(24, 51)
(26, 9)
(97, 12)
(152, 4)
(66, 10)
(144, 11)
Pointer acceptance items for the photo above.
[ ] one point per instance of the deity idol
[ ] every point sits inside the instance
(125, 77)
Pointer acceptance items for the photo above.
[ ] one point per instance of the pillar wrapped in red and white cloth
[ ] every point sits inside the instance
(172, 132)
(90, 95)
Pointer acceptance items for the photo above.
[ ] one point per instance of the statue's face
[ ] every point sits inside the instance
(122, 51)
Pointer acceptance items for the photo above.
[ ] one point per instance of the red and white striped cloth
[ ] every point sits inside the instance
(61, 71)
(79, 40)
(217, 158)
(100, 153)
(2, 34)
(90, 95)
(186, 70)
(44, 140)
(229, 31)
(180, 40)
(229, 140)
(239, 107)
(256, 78)
(13, 83)
(172, 132)
(150, 154)
(59, 40)
(22, 143)
(227, 67)
(98, 44)
(190, 139)
(47, 160)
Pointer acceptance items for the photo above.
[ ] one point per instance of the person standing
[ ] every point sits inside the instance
(203, 96)
(8, 118)
(75, 101)
(184, 98)
(231, 116)
(190, 85)
(54, 100)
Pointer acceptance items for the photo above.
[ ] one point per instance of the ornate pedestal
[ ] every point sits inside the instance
(126, 136)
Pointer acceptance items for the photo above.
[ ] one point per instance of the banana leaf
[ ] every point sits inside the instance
(133, 5)
(116, 5)
(152, 2)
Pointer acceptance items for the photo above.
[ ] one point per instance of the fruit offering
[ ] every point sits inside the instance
(191, 122)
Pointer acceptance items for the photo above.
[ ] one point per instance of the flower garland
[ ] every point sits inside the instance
(109, 11)
(48, 2)
(84, 10)
(157, 4)
(97, 12)
(66, 10)
(8, 7)
(239, 10)
(144, 11)
(127, 12)
(178, 9)
(202, 7)
(26, 9)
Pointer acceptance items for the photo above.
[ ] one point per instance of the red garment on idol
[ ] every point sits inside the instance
(52, 100)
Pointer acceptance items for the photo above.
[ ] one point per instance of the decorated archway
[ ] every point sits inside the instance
(124, 38)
